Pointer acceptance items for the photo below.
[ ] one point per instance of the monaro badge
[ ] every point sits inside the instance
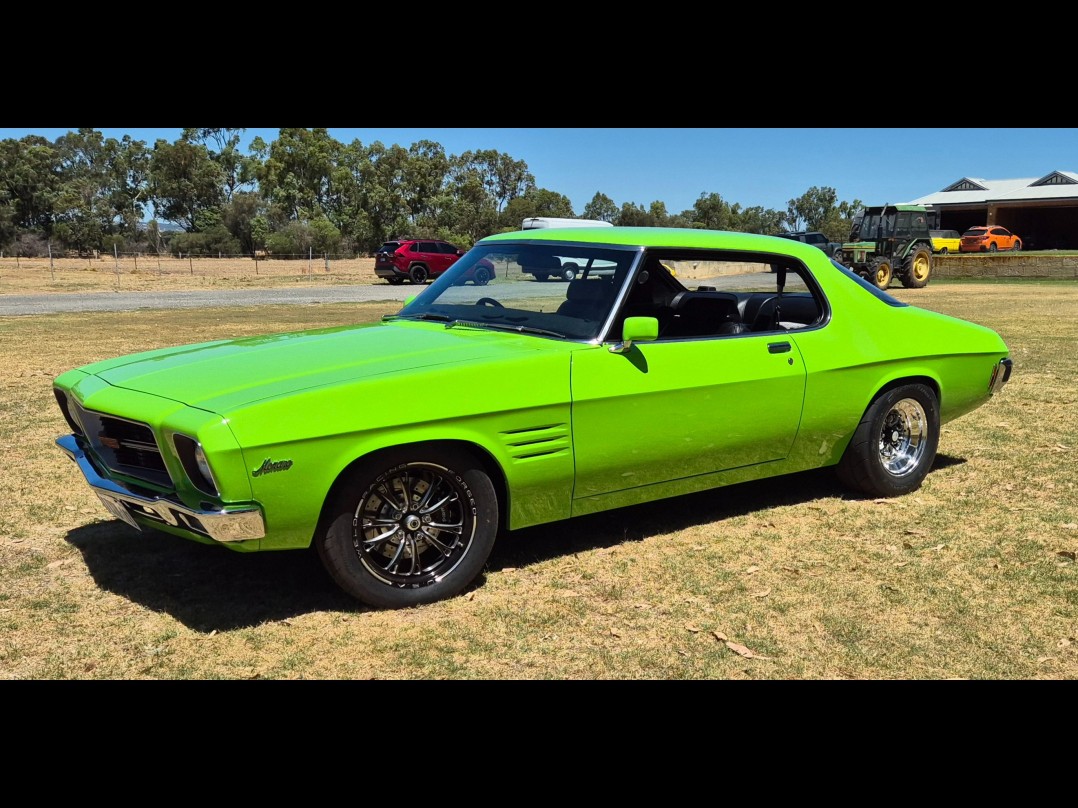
(269, 466)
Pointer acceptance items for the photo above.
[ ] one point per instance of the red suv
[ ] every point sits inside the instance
(420, 260)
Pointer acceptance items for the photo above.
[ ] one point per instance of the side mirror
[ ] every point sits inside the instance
(636, 329)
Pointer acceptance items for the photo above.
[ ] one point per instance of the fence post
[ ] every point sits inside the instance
(116, 258)
(190, 263)
(136, 262)
(52, 274)
(310, 255)
(256, 263)
(325, 257)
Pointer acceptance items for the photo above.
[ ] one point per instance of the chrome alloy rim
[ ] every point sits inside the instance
(414, 525)
(904, 437)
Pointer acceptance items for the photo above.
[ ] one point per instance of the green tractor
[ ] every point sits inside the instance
(890, 241)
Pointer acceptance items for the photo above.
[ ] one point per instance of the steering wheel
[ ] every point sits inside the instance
(489, 301)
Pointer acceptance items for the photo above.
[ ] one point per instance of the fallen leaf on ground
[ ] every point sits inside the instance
(720, 636)
(763, 593)
(740, 649)
(1067, 554)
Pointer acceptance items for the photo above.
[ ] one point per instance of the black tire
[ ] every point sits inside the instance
(568, 274)
(943, 250)
(482, 276)
(541, 276)
(381, 545)
(894, 445)
(395, 280)
(918, 268)
(882, 272)
(1016, 246)
(418, 273)
(992, 247)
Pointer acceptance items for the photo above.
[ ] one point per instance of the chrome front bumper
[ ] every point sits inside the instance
(241, 524)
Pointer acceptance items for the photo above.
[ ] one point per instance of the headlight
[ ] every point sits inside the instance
(195, 463)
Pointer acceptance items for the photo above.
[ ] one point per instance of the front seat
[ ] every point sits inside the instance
(586, 299)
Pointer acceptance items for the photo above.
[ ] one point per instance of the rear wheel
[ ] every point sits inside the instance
(415, 527)
(882, 272)
(541, 276)
(395, 280)
(894, 445)
(418, 274)
(568, 272)
(482, 276)
(918, 268)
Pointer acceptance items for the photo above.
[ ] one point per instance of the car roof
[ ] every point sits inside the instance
(684, 237)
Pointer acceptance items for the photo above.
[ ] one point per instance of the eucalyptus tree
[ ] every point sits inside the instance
(602, 208)
(712, 211)
(184, 182)
(536, 202)
(819, 209)
(756, 219)
(373, 206)
(102, 181)
(223, 146)
(424, 173)
(29, 182)
(503, 178)
(297, 171)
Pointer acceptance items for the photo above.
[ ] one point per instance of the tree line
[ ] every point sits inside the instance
(307, 192)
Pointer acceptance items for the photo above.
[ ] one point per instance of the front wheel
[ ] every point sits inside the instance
(918, 268)
(1017, 246)
(882, 273)
(894, 445)
(415, 527)
(992, 247)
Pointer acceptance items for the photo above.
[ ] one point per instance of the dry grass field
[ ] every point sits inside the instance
(971, 577)
(28, 276)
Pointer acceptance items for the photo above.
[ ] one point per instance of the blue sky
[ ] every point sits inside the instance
(753, 167)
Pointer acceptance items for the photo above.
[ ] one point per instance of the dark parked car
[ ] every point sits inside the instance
(816, 239)
(420, 260)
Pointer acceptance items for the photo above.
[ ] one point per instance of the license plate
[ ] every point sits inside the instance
(116, 508)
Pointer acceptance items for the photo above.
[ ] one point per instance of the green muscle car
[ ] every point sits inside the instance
(675, 361)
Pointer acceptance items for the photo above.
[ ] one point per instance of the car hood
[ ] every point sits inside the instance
(221, 376)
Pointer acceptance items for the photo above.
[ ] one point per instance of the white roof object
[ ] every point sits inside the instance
(975, 190)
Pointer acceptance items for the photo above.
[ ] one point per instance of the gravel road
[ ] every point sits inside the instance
(132, 301)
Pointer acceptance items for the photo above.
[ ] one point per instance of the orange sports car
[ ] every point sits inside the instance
(989, 239)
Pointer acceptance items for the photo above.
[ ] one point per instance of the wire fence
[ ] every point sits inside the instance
(119, 271)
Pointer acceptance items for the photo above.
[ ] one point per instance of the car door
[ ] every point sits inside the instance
(671, 410)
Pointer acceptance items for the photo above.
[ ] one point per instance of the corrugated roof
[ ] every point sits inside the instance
(1065, 186)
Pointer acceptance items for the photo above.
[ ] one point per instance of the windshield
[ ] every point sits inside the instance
(552, 289)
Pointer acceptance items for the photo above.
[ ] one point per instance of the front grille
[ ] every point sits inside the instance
(126, 447)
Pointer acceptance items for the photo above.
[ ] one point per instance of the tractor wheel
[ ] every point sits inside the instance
(917, 269)
(882, 272)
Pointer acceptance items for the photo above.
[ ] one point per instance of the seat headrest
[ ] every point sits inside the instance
(587, 290)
